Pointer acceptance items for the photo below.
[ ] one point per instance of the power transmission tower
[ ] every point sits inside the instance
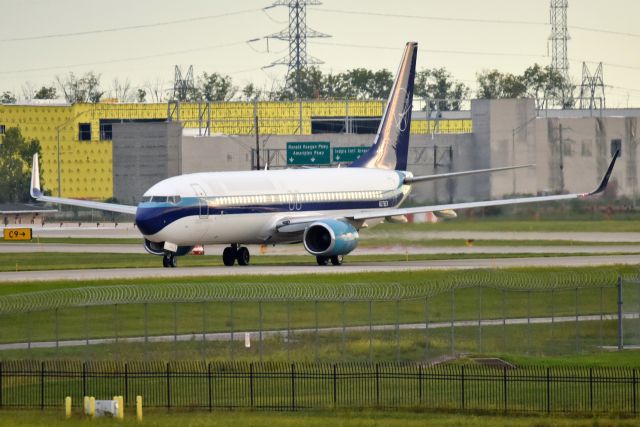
(297, 34)
(183, 87)
(559, 36)
(592, 83)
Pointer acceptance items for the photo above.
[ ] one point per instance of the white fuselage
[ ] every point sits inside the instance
(245, 207)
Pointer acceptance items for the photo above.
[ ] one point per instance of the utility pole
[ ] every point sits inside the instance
(257, 132)
(297, 34)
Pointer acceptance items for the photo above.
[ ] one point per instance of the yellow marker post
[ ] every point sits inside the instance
(16, 234)
(139, 408)
(92, 406)
(67, 407)
(120, 402)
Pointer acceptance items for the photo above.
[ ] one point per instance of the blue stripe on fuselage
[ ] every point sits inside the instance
(152, 217)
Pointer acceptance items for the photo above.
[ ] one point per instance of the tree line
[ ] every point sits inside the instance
(438, 85)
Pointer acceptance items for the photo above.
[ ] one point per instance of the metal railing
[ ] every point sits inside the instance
(293, 386)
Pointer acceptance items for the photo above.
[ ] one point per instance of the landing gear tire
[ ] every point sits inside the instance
(229, 256)
(169, 260)
(243, 256)
(337, 259)
(322, 260)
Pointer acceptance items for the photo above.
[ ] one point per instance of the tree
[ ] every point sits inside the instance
(216, 87)
(156, 90)
(141, 96)
(79, 90)
(15, 165)
(492, 84)
(46, 93)
(305, 84)
(121, 90)
(251, 93)
(361, 83)
(438, 87)
(8, 98)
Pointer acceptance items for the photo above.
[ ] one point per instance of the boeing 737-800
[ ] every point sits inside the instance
(322, 208)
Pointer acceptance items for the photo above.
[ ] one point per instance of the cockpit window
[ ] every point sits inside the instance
(159, 199)
(174, 199)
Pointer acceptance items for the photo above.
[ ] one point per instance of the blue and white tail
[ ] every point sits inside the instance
(390, 148)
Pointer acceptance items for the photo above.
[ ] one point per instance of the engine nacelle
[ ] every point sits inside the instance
(157, 248)
(330, 237)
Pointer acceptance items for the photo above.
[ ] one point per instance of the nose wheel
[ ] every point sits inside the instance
(169, 260)
(233, 253)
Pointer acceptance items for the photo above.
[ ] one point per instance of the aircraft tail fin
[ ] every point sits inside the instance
(391, 145)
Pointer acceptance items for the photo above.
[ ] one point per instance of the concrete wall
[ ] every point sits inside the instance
(505, 132)
(143, 154)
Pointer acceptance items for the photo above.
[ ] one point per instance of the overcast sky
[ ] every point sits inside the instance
(365, 33)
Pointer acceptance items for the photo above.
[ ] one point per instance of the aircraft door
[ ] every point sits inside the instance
(202, 201)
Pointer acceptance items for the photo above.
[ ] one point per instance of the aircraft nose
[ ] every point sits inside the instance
(148, 220)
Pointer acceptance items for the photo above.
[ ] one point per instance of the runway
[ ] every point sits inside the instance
(216, 250)
(355, 267)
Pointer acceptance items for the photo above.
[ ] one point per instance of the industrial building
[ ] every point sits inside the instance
(119, 150)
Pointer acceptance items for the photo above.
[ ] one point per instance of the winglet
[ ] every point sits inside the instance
(605, 179)
(35, 178)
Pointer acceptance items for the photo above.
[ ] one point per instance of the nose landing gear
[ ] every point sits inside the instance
(233, 253)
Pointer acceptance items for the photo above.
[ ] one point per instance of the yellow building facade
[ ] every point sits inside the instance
(80, 134)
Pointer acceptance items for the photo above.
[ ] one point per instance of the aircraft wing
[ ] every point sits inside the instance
(414, 179)
(36, 193)
(381, 213)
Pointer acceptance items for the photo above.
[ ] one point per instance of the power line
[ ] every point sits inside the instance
(127, 28)
(475, 20)
(137, 58)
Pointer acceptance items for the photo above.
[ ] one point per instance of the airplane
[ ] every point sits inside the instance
(323, 208)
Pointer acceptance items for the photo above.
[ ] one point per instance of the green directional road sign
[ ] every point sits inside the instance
(348, 154)
(308, 153)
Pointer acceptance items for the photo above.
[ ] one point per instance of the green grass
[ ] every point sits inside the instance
(39, 261)
(338, 418)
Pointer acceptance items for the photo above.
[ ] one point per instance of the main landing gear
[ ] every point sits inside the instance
(233, 253)
(169, 259)
(324, 260)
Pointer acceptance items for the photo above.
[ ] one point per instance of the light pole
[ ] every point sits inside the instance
(58, 131)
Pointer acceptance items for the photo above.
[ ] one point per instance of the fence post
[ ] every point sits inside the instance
(168, 388)
(335, 386)
(315, 306)
(635, 398)
(84, 378)
(397, 330)
(370, 334)
(591, 389)
(56, 327)
(231, 327)
(260, 328)
(453, 316)
(377, 386)
(293, 386)
(504, 386)
(126, 383)
(426, 328)
(209, 386)
(620, 319)
(420, 382)
(42, 385)
(462, 387)
(2, 385)
(548, 391)
(251, 384)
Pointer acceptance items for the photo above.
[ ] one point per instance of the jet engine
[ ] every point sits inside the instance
(330, 237)
(157, 248)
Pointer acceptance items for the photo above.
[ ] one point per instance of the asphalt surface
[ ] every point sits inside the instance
(260, 270)
(299, 250)
(127, 230)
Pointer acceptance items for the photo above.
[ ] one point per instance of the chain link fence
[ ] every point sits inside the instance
(323, 323)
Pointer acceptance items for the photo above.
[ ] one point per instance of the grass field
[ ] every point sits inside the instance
(161, 418)
(44, 312)
(65, 261)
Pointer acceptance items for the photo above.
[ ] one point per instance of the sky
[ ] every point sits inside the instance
(142, 40)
